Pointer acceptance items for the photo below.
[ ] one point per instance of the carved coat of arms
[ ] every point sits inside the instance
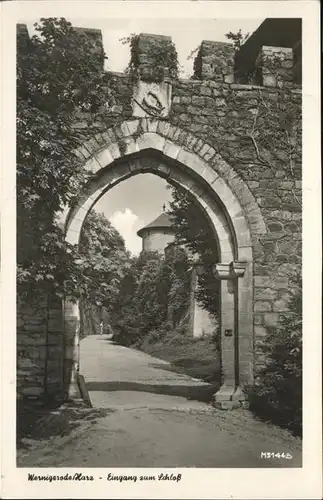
(151, 99)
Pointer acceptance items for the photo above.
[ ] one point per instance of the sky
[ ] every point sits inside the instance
(138, 200)
(133, 204)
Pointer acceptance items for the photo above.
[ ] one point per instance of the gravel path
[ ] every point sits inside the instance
(152, 417)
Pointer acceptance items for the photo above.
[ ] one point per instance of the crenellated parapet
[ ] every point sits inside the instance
(260, 61)
(265, 65)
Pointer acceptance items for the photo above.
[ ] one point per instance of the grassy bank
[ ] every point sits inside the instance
(197, 357)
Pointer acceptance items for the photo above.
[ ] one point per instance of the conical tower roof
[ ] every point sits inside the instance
(163, 221)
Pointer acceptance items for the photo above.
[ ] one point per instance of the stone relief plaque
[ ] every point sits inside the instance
(151, 99)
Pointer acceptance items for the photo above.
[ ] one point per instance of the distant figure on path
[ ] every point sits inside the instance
(101, 327)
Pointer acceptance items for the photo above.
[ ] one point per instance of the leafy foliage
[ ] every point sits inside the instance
(238, 38)
(277, 396)
(153, 293)
(136, 308)
(103, 260)
(180, 272)
(194, 231)
(55, 78)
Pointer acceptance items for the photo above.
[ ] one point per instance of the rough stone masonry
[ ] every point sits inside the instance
(247, 109)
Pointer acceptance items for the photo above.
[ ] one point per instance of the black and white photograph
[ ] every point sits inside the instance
(159, 206)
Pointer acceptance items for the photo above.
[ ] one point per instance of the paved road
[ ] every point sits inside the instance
(119, 377)
(150, 422)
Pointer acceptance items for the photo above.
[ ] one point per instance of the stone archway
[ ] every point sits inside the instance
(185, 160)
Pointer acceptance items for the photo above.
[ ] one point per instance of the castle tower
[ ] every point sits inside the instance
(157, 235)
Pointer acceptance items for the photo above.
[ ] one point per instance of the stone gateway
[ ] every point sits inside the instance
(231, 137)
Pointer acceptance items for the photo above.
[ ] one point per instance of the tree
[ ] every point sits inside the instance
(179, 271)
(103, 260)
(153, 296)
(55, 78)
(137, 308)
(194, 231)
(238, 38)
(102, 264)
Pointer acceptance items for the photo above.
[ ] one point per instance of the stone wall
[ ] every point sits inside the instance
(223, 115)
(40, 348)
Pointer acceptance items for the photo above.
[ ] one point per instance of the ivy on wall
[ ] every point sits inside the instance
(152, 60)
(55, 79)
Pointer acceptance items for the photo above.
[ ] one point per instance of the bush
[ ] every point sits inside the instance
(277, 396)
(139, 306)
(153, 296)
(154, 336)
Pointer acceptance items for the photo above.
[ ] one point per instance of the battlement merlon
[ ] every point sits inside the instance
(145, 58)
(275, 66)
(22, 30)
(215, 61)
(94, 35)
(22, 35)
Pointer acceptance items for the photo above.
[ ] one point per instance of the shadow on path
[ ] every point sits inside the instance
(43, 423)
(198, 392)
(191, 368)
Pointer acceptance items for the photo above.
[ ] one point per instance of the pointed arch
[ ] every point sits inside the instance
(150, 145)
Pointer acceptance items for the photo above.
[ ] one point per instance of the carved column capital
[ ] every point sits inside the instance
(229, 271)
(222, 271)
(238, 269)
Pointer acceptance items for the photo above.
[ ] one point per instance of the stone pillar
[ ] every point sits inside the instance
(229, 394)
(72, 347)
(245, 324)
(40, 348)
(152, 93)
